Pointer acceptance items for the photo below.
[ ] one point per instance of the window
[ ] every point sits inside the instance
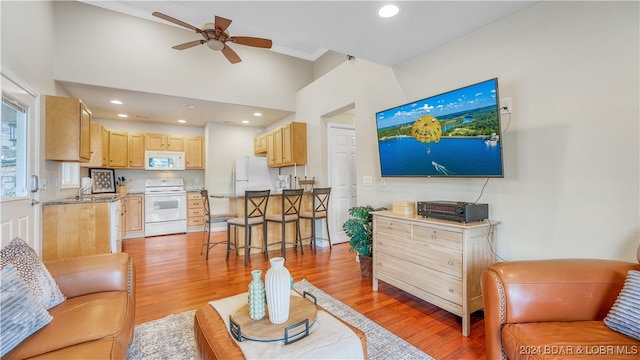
(13, 155)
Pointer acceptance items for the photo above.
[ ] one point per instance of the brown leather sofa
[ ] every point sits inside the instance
(554, 309)
(97, 319)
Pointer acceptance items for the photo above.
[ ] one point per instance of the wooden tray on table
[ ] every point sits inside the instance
(302, 315)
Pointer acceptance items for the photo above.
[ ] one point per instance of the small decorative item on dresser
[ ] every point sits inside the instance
(278, 284)
(257, 297)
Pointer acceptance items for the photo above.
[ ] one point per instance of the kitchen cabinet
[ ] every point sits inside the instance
(260, 144)
(287, 146)
(271, 149)
(162, 142)
(135, 150)
(194, 152)
(67, 129)
(99, 147)
(75, 230)
(105, 146)
(118, 148)
(134, 207)
(438, 261)
(195, 210)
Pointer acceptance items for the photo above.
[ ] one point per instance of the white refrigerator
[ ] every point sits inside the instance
(252, 173)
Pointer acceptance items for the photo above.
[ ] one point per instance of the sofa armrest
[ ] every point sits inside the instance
(548, 290)
(84, 275)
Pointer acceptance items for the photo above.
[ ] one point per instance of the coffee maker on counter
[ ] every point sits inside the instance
(284, 182)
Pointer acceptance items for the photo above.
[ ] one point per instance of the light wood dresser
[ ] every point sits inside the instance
(438, 261)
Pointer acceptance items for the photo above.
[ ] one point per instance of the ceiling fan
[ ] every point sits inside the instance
(216, 37)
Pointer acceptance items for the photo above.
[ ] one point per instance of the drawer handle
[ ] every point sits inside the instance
(450, 263)
(450, 291)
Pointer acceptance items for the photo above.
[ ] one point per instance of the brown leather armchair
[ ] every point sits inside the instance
(97, 319)
(554, 309)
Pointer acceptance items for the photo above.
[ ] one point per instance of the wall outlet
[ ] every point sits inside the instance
(505, 106)
(367, 180)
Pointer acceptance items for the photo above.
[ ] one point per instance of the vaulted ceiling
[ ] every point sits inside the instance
(306, 30)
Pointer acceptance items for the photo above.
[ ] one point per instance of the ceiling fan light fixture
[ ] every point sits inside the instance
(388, 11)
(214, 44)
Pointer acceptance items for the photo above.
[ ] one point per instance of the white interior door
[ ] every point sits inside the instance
(19, 168)
(342, 174)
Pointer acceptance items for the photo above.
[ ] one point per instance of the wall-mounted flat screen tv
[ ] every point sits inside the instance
(454, 134)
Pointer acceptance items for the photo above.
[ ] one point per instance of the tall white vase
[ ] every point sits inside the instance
(277, 284)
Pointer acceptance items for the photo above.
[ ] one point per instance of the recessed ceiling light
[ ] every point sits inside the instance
(188, 106)
(182, 121)
(257, 114)
(117, 102)
(245, 121)
(388, 11)
(123, 115)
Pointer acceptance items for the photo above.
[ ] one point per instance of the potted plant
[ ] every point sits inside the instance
(359, 229)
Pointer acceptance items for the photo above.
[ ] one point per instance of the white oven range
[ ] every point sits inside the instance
(165, 207)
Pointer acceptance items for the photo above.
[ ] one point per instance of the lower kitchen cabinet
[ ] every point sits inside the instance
(134, 205)
(195, 211)
(79, 229)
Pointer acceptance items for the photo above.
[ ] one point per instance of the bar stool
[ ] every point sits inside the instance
(319, 211)
(255, 208)
(289, 213)
(208, 220)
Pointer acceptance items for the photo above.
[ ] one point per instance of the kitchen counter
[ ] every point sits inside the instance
(240, 196)
(87, 199)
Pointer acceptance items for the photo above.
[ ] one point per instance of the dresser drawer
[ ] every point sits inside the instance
(191, 204)
(429, 280)
(391, 227)
(420, 252)
(439, 237)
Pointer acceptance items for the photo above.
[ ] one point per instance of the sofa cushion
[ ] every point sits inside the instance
(32, 272)
(80, 320)
(22, 313)
(624, 315)
(566, 340)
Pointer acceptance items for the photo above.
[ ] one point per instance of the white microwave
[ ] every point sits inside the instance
(164, 160)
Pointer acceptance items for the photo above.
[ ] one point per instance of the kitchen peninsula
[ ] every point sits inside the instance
(274, 231)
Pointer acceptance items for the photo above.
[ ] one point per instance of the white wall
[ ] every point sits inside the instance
(571, 187)
(105, 48)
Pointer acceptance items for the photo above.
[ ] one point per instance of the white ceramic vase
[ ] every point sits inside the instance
(256, 296)
(277, 284)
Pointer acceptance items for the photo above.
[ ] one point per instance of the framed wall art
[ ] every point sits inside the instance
(103, 181)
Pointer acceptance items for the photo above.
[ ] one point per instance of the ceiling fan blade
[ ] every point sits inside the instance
(222, 24)
(251, 41)
(189, 44)
(231, 55)
(176, 21)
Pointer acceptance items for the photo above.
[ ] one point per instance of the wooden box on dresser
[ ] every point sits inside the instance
(438, 261)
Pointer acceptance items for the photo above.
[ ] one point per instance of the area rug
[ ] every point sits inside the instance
(171, 338)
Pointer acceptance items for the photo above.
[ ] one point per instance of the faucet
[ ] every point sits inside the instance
(81, 192)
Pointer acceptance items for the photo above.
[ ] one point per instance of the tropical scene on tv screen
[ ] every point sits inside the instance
(452, 134)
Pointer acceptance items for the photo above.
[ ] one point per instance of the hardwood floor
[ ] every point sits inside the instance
(173, 277)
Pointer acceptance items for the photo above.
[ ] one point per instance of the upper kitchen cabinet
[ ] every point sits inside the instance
(136, 150)
(118, 145)
(194, 152)
(155, 142)
(287, 146)
(99, 146)
(67, 129)
(260, 144)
